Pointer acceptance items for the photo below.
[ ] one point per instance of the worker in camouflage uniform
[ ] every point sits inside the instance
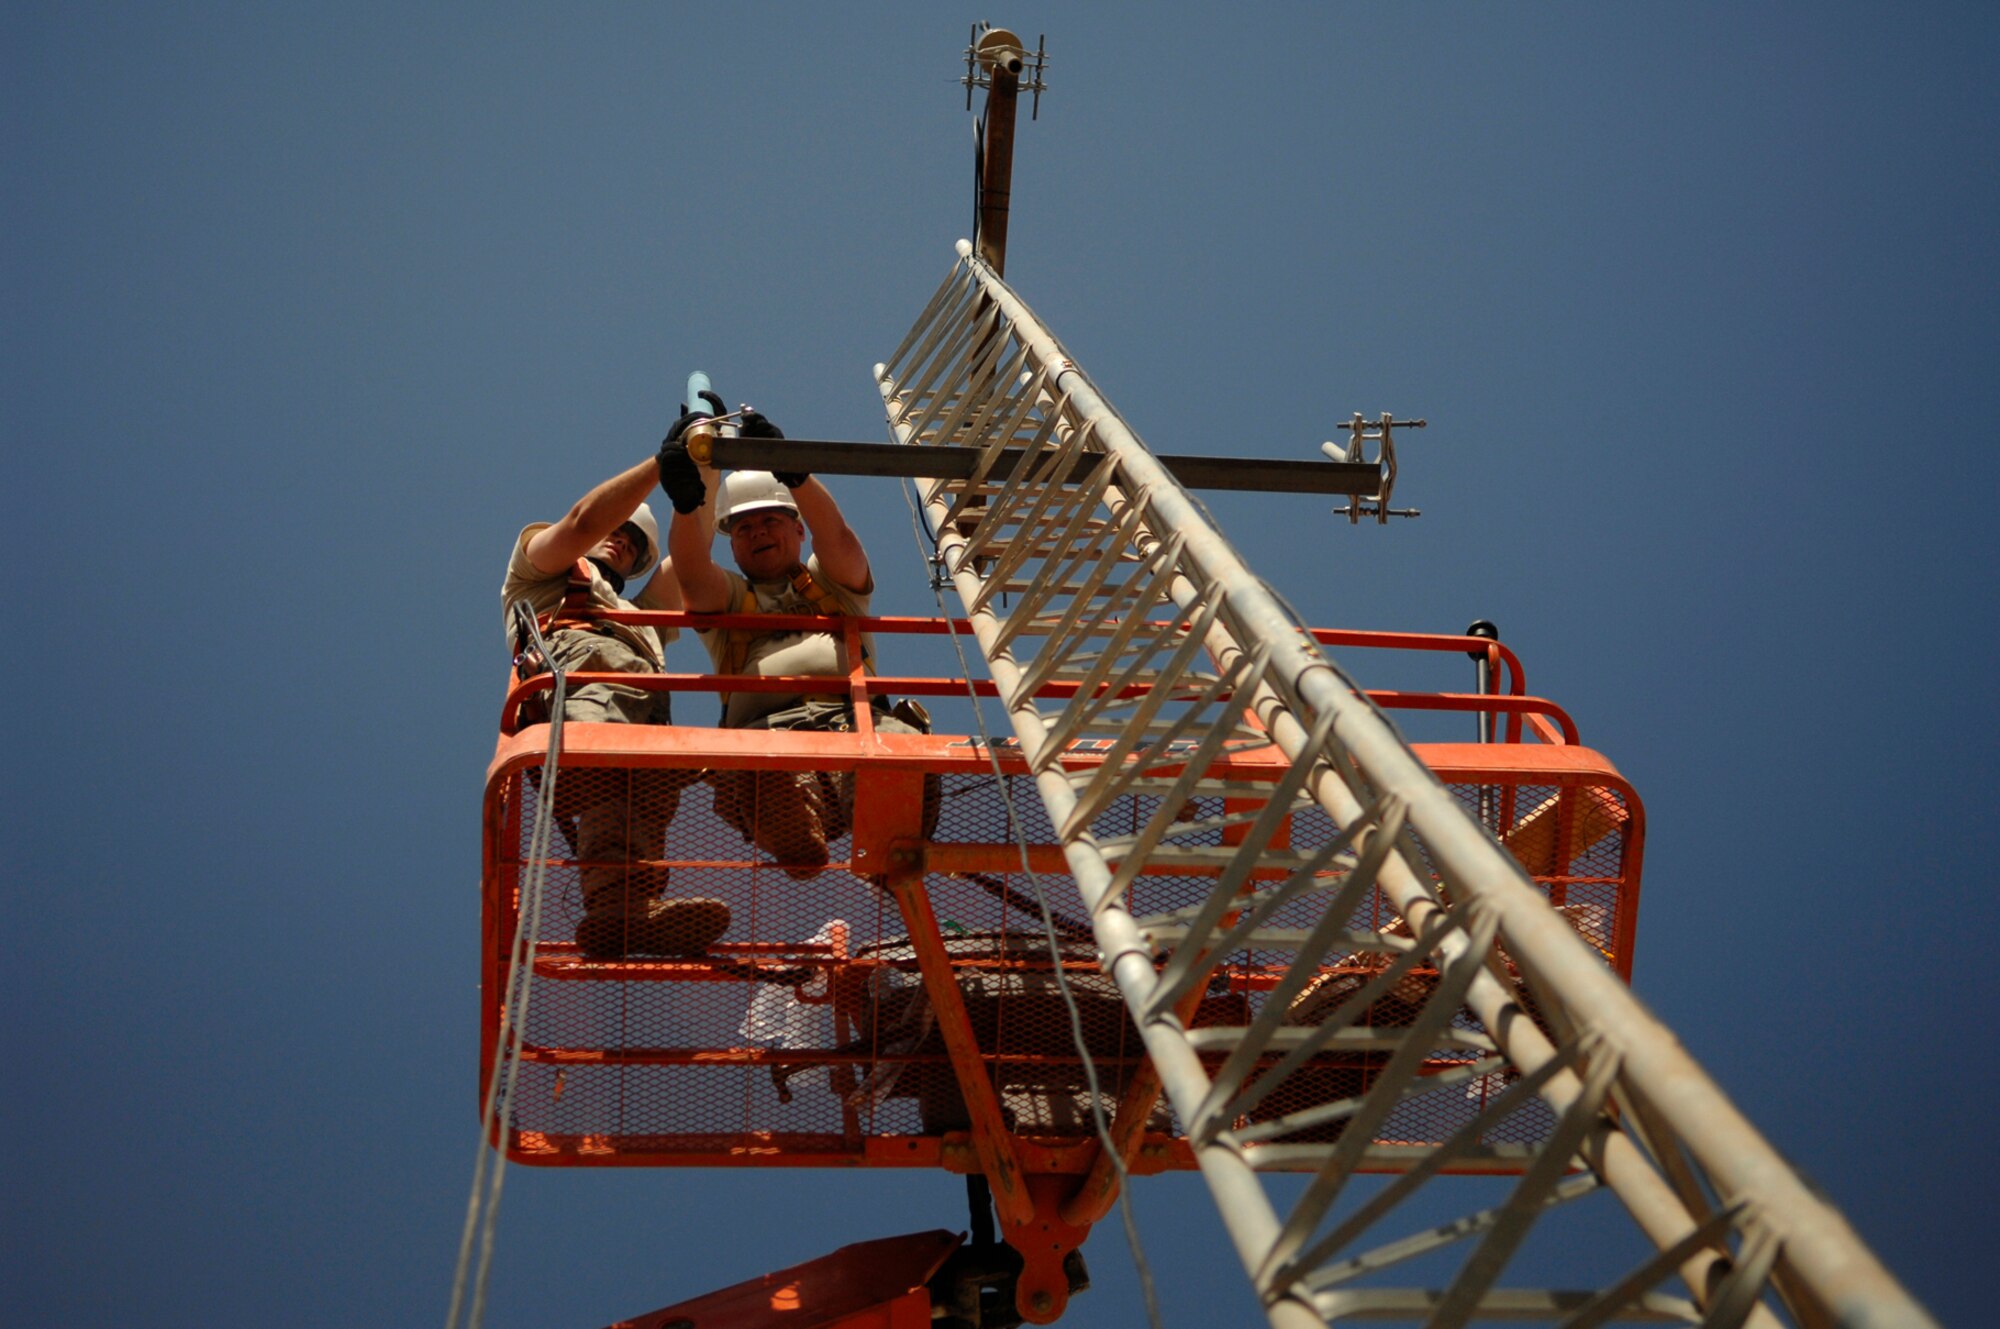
(767, 519)
(613, 818)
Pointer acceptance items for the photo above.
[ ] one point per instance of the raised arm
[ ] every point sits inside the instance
(703, 585)
(834, 542)
(596, 515)
(691, 489)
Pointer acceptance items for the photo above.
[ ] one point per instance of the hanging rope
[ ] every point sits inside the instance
(1050, 926)
(482, 1210)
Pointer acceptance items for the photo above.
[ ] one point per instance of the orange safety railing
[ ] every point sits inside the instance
(808, 1035)
(1547, 721)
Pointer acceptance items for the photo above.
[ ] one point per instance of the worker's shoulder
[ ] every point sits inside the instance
(522, 572)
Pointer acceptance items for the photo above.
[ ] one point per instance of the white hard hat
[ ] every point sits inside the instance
(649, 557)
(747, 491)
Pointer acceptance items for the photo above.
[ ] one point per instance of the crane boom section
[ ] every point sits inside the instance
(1094, 568)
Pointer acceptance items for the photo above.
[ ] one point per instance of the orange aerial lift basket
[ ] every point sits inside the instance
(900, 1004)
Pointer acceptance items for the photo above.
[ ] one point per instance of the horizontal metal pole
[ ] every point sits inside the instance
(832, 457)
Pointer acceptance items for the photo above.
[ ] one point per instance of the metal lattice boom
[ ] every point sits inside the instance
(1093, 567)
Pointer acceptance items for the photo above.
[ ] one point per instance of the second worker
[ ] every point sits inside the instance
(767, 519)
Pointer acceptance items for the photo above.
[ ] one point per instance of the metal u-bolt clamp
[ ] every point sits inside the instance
(1382, 433)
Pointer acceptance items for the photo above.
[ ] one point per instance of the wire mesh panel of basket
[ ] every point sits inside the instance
(804, 1021)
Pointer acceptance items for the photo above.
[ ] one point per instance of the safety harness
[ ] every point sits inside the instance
(572, 612)
(736, 642)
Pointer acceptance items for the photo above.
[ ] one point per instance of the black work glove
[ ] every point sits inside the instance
(756, 425)
(688, 417)
(679, 476)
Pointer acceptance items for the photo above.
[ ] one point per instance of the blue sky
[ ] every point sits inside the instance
(310, 309)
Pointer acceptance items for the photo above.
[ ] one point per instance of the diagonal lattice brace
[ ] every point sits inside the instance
(1280, 1267)
(1543, 1178)
(1194, 935)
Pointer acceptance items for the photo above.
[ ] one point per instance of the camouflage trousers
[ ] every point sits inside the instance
(795, 815)
(616, 819)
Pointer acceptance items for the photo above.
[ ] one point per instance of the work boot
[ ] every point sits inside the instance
(661, 927)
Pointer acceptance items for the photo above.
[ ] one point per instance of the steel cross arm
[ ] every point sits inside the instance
(833, 457)
(1822, 1257)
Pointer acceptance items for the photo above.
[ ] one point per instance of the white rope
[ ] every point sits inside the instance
(1129, 1221)
(482, 1210)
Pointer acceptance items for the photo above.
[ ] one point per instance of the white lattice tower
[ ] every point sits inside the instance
(1093, 567)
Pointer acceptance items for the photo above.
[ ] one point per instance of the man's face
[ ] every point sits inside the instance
(621, 549)
(766, 543)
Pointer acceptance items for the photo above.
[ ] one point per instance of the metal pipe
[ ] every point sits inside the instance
(1612, 1155)
(1098, 1191)
(1000, 53)
(841, 457)
(1482, 667)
